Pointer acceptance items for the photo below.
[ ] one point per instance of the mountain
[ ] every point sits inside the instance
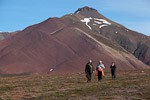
(66, 44)
(4, 35)
(134, 42)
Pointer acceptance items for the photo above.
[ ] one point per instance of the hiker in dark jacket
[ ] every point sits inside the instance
(89, 70)
(113, 70)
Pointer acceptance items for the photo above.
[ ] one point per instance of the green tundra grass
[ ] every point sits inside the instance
(129, 85)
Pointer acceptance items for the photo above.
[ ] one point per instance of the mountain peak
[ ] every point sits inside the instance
(89, 12)
(84, 9)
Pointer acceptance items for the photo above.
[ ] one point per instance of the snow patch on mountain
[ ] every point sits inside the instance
(96, 21)
(77, 12)
(103, 21)
(127, 30)
(86, 21)
(102, 26)
(51, 70)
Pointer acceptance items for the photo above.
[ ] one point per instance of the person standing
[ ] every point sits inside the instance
(100, 70)
(89, 70)
(113, 70)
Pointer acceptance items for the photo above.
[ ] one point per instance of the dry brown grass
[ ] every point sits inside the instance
(130, 85)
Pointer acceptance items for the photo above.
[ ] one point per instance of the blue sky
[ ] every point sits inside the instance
(18, 14)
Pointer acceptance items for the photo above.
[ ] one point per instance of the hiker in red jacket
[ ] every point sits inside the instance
(100, 70)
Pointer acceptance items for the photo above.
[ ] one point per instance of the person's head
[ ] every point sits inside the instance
(90, 61)
(113, 63)
(100, 62)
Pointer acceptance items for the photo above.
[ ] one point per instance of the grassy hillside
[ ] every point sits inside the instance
(130, 85)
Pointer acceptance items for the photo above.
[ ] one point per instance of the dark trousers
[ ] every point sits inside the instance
(99, 75)
(88, 76)
(113, 74)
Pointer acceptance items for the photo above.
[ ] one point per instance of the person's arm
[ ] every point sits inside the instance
(103, 66)
(85, 68)
(111, 67)
(93, 68)
(115, 66)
